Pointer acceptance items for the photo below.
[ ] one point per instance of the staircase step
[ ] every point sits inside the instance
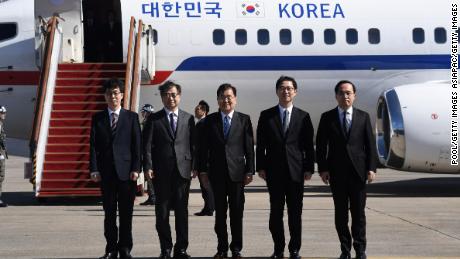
(61, 174)
(66, 157)
(61, 131)
(78, 90)
(79, 98)
(72, 114)
(85, 122)
(93, 192)
(90, 74)
(68, 184)
(75, 165)
(81, 82)
(67, 148)
(78, 106)
(92, 66)
(68, 140)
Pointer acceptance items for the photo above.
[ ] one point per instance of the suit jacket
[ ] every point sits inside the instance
(334, 149)
(274, 148)
(122, 151)
(163, 151)
(234, 155)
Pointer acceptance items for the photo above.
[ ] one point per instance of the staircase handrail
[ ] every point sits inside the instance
(129, 64)
(135, 87)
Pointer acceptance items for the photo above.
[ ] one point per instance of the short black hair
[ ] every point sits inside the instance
(168, 85)
(341, 82)
(224, 87)
(113, 83)
(204, 104)
(285, 78)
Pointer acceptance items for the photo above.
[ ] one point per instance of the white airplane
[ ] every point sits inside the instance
(396, 52)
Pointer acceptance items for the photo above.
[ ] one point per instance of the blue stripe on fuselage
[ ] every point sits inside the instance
(267, 63)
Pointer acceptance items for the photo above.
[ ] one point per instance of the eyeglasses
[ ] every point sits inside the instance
(169, 95)
(289, 89)
(226, 97)
(345, 93)
(115, 93)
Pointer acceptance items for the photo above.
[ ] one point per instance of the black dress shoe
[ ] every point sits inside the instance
(165, 254)
(236, 255)
(181, 254)
(361, 255)
(220, 255)
(345, 256)
(294, 255)
(125, 255)
(110, 255)
(277, 256)
(204, 213)
(4, 205)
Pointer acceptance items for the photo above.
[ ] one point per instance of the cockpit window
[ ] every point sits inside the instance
(8, 31)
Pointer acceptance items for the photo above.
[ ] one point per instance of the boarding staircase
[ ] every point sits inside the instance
(68, 95)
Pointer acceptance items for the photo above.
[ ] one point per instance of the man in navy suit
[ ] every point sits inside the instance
(227, 160)
(115, 161)
(346, 153)
(285, 159)
(168, 159)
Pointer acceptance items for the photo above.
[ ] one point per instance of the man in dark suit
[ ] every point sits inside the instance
(346, 152)
(285, 159)
(168, 156)
(115, 161)
(201, 111)
(227, 160)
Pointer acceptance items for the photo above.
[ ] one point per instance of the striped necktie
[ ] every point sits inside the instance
(346, 124)
(113, 123)
(172, 123)
(226, 126)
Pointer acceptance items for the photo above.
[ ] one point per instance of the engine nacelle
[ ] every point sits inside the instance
(413, 128)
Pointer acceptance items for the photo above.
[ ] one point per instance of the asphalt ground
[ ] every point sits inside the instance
(409, 215)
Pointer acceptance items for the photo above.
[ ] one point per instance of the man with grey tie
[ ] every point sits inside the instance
(168, 155)
(346, 153)
(285, 159)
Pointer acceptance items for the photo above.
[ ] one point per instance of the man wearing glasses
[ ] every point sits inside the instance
(227, 160)
(285, 159)
(115, 161)
(346, 153)
(168, 139)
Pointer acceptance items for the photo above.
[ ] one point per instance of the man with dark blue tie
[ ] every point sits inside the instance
(346, 153)
(227, 160)
(168, 156)
(115, 161)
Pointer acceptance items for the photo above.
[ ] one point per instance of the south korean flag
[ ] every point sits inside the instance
(251, 9)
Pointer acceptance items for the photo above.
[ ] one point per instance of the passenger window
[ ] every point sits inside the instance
(418, 35)
(8, 31)
(241, 37)
(263, 36)
(329, 36)
(374, 36)
(440, 35)
(352, 36)
(307, 36)
(155, 37)
(285, 36)
(218, 37)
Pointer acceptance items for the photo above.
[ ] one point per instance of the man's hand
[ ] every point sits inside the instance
(370, 176)
(307, 176)
(247, 179)
(262, 174)
(149, 174)
(194, 173)
(95, 177)
(133, 176)
(204, 179)
(325, 176)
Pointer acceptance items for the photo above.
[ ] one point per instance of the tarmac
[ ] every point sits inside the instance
(409, 215)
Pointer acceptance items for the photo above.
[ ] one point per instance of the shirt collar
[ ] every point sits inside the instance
(281, 109)
(176, 112)
(230, 115)
(349, 110)
(117, 111)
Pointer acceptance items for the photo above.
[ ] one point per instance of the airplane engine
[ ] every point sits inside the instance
(413, 127)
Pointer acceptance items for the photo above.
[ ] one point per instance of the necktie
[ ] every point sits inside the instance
(285, 121)
(172, 123)
(114, 123)
(346, 124)
(226, 126)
